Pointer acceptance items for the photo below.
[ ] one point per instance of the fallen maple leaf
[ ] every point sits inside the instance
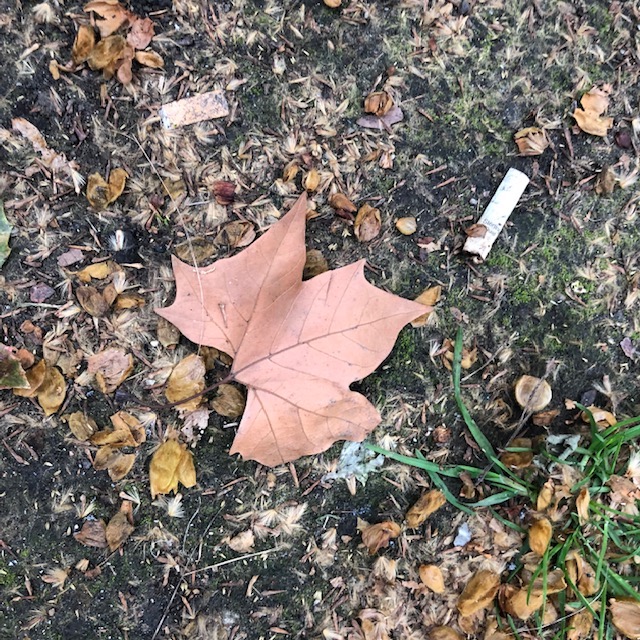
(296, 345)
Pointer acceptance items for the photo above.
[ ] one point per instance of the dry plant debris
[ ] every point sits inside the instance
(296, 345)
(5, 234)
(531, 141)
(590, 117)
(170, 466)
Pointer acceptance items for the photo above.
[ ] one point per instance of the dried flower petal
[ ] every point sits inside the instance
(540, 534)
(478, 592)
(377, 536)
(427, 504)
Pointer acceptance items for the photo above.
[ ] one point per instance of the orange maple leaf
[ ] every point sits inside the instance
(296, 345)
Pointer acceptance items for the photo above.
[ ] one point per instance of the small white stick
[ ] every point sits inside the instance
(497, 212)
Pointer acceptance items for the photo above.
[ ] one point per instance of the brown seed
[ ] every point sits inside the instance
(340, 201)
(406, 226)
(224, 192)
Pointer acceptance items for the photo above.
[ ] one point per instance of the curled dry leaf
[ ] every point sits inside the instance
(84, 43)
(591, 117)
(432, 577)
(582, 505)
(92, 301)
(606, 181)
(581, 573)
(601, 417)
(113, 15)
(127, 432)
(149, 59)
(519, 603)
(553, 582)
(518, 459)
(444, 633)
(531, 141)
(368, 223)
(118, 530)
(141, 33)
(427, 504)
(340, 202)
(236, 234)
(116, 463)
(242, 542)
(171, 464)
(625, 617)
(106, 55)
(52, 392)
(532, 394)
(97, 271)
(312, 180)
(378, 103)
(229, 401)
(478, 592)
(12, 375)
(185, 381)
(476, 230)
(429, 298)
(407, 226)
(469, 356)
(82, 427)
(545, 496)
(35, 376)
(377, 536)
(540, 534)
(101, 193)
(314, 265)
(579, 625)
(111, 368)
(92, 534)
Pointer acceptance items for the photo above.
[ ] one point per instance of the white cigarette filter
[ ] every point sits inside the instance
(497, 212)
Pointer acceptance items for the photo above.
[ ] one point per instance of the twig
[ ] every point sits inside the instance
(232, 560)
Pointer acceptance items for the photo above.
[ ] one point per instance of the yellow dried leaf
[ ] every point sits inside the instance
(368, 223)
(579, 625)
(150, 59)
(591, 117)
(120, 465)
(123, 421)
(81, 425)
(101, 193)
(186, 380)
(84, 43)
(377, 536)
(545, 496)
(444, 633)
(432, 577)
(379, 103)
(478, 592)
(52, 391)
(429, 298)
(229, 401)
(427, 504)
(118, 530)
(171, 464)
(581, 573)
(99, 271)
(518, 459)
(531, 141)
(35, 377)
(582, 505)
(106, 53)
(519, 603)
(312, 180)
(553, 582)
(625, 617)
(540, 534)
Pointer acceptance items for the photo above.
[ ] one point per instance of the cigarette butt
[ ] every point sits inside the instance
(204, 106)
(497, 212)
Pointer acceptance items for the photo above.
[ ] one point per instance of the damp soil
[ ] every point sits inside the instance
(559, 285)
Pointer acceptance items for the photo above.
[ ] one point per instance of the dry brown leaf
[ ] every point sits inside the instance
(118, 530)
(582, 505)
(111, 368)
(545, 496)
(581, 573)
(92, 301)
(82, 426)
(97, 271)
(368, 223)
(427, 504)
(553, 582)
(476, 230)
(83, 44)
(469, 356)
(315, 264)
(531, 141)
(141, 33)
(224, 191)
(429, 298)
(185, 381)
(113, 15)
(444, 633)
(606, 181)
(229, 401)
(519, 603)
(532, 394)
(312, 180)
(171, 464)
(579, 625)
(150, 59)
(127, 432)
(540, 534)
(594, 105)
(340, 202)
(377, 536)
(236, 234)
(52, 392)
(432, 577)
(479, 592)
(106, 54)
(101, 193)
(35, 377)
(602, 417)
(92, 534)
(378, 103)
(242, 542)
(518, 459)
(625, 617)
(296, 345)
(120, 464)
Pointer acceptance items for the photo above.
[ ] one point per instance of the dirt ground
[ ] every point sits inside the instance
(560, 286)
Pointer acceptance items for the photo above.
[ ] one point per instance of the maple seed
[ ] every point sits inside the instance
(296, 346)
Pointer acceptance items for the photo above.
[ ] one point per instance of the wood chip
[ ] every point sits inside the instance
(202, 107)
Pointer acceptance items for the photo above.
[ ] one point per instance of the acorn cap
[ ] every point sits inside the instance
(532, 394)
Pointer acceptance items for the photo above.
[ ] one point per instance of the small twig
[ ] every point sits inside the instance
(232, 560)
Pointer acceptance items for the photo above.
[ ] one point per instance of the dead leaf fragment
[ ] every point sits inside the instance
(297, 372)
(97, 271)
(582, 505)
(92, 301)
(378, 103)
(171, 464)
(186, 380)
(314, 265)
(205, 106)
(519, 603)
(149, 59)
(545, 496)
(579, 625)
(113, 15)
(540, 534)
(84, 43)
(118, 530)
(518, 459)
(52, 392)
(594, 105)
(236, 234)
(229, 401)
(12, 375)
(82, 426)
(111, 368)
(444, 633)
(141, 33)
(340, 202)
(427, 504)
(432, 577)
(35, 377)
(606, 181)
(625, 617)
(531, 141)
(242, 542)
(368, 223)
(106, 55)
(532, 394)
(377, 536)
(312, 180)
(101, 193)
(478, 592)
(429, 298)
(93, 534)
